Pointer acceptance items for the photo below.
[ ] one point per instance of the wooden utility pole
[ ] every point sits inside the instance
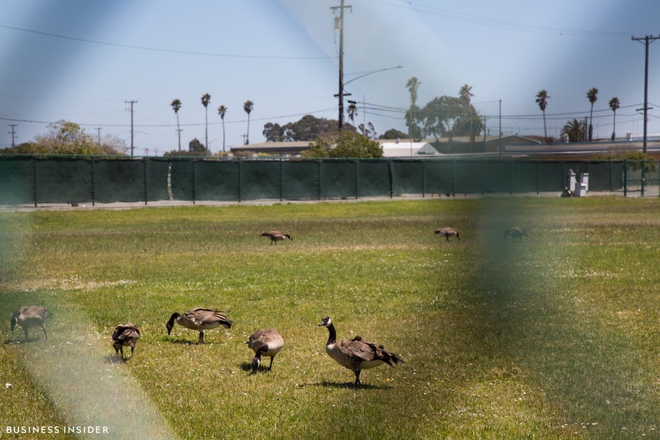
(647, 40)
(131, 102)
(339, 24)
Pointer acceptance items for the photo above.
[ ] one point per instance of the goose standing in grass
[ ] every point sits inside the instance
(276, 236)
(447, 232)
(198, 319)
(356, 354)
(264, 343)
(30, 316)
(125, 335)
(515, 232)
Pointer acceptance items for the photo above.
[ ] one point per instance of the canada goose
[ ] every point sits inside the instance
(30, 316)
(356, 354)
(276, 236)
(515, 232)
(447, 232)
(264, 343)
(125, 334)
(198, 319)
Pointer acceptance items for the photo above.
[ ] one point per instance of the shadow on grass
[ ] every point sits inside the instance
(350, 385)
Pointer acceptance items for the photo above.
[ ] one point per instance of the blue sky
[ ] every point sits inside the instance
(81, 60)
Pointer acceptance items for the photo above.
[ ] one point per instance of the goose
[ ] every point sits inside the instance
(125, 335)
(276, 236)
(447, 232)
(356, 354)
(198, 319)
(30, 316)
(515, 232)
(264, 343)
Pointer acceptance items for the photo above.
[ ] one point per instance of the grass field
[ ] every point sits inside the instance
(553, 337)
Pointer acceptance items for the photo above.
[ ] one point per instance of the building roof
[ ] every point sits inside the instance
(400, 148)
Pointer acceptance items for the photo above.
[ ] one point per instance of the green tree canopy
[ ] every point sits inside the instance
(344, 144)
(308, 128)
(393, 133)
(65, 137)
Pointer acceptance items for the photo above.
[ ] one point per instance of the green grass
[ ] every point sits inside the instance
(553, 337)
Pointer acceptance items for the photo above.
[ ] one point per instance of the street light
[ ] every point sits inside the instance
(341, 93)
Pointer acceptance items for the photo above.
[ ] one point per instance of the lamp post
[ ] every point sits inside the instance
(343, 84)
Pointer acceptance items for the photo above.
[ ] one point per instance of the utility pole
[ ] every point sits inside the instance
(339, 24)
(131, 102)
(13, 134)
(647, 40)
(98, 129)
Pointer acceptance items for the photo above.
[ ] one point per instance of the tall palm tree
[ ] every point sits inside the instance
(542, 100)
(221, 111)
(614, 105)
(176, 105)
(248, 106)
(206, 98)
(352, 111)
(412, 85)
(465, 94)
(592, 96)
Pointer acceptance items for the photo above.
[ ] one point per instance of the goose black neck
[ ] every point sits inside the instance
(333, 334)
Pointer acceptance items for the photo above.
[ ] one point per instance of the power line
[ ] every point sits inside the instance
(155, 49)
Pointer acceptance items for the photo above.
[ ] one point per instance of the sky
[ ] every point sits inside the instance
(84, 61)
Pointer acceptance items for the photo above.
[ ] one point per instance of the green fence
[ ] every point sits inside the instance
(34, 180)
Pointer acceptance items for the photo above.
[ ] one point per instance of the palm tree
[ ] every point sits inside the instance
(592, 96)
(614, 105)
(574, 130)
(221, 111)
(206, 98)
(176, 105)
(542, 100)
(352, 111)
(412, 85)
(465, 94)
(248, 106)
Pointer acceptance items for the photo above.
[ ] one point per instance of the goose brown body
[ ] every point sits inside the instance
(515, 232)
(125, 335)
(356, 354)
(447, 232)
(30, 316)
(198, 319)
(276, 236)
(265, 343)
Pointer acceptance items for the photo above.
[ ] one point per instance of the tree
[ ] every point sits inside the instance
(393, 133)
(176, 106)
(614, 105)
(368, 131)
(195, 146)
(248, 106)
(542, 100)
(306, 129)
(574, 131)
(414, 130)
(464, 94)
(344, 144)
(592, 96)
(65, 137)
(352, 111)
(206, 99)
(222, 110)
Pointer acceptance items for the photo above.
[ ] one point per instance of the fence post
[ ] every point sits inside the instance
(93, 181)
(194, 196)
(281, 180)
(34, 169)
(240, 180)
(146, 179)
(643, 176)
(625, 177)
(357, 179)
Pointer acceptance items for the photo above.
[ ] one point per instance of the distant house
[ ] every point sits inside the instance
(277, 148)
(406, 148)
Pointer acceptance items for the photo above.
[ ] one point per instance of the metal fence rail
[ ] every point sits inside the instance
(33, 179)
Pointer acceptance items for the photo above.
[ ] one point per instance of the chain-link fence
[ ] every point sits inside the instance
(34, 180)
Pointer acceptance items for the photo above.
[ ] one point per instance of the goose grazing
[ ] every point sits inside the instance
(125, 335)
(515, 232)
(276, 236)
(30, 316)
(447, 232)
(264, 343)
(198, 319)
(356, 354)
